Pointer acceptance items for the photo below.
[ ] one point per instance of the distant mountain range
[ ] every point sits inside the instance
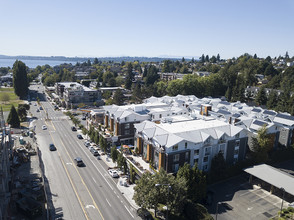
(83, 59)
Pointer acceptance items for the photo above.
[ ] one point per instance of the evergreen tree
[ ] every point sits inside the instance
(261, 145)
(20, 80)
(96, 61)
(13, 118)
(218, 168)
(152, 75)
(22, 112)
(183, 59)
(207, 58)
(114, 154)
(218, 57)
(202, 58)
(118, 97)
(192, 61)
(255, 56)
(130, 76)
(261, 97)
(272, 100)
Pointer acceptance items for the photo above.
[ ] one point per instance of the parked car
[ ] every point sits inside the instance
(113, 173)
(44, 127)
(37, 110)
(73, 128)
(84, 118)
(52, 147)
(41, 108)
(80, 136)
(79, 161)
(87, 144)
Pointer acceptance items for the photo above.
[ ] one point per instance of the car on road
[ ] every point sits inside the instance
(44, 127)
(35, 104)
(80, 136)
(41, 108)
(84, 118)
(37, 110)
(113, 173)
(79, 161)
(52, 147)
(73, 128)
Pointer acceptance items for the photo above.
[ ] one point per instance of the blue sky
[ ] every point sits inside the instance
(189, 28)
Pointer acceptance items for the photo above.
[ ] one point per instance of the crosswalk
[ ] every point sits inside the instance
(52, 118)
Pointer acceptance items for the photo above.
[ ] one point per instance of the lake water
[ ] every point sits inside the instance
(33, 63)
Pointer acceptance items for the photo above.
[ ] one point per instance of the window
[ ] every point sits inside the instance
(238, 143)
(237, 135)
(187, 156)
(222, 148)
(186, 145)
(195, 160)
(205, 159)
(175, 147)
(160, 115)
(176, 157)
(207, 150)
(127, 126)
(156, 154)
(175, 167)
(196, 152)
(127, 132)
(205, 167)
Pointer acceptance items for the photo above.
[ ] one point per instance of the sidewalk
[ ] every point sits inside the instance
(127, 191)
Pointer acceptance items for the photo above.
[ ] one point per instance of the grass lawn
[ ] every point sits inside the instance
(13, 99)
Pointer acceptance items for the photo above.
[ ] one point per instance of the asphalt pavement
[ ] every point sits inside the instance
(87, 192)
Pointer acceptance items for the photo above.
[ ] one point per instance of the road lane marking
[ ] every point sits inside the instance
(83, 182)
(71, 182)
(90, 206)
(68, 163)
(94, 179)
(108, 202)
(129, 211)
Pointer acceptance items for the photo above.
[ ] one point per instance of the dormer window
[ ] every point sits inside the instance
(175, 147)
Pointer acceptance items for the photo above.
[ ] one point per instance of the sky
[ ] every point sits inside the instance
(150, 28)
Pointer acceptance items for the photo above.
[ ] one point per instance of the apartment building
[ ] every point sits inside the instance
(73, 93)
(185, 139)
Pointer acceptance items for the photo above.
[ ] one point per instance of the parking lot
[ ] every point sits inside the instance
(237, 199)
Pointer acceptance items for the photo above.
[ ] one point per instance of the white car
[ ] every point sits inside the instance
(44, 127)
(113, 173)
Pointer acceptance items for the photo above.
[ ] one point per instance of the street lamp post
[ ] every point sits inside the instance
(282, 198)
(216, 210)
(169, 188)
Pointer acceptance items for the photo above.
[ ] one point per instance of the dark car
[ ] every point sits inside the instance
(73, 128)
(79, 161)
(52, 147)
(84, 118)
(80, 136)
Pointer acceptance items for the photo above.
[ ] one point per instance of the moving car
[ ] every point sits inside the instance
(37, 110)
(44, 127)
(73, 128)
(79, 161)
(80, 136)
(52, 147)
(113, 173)
(41, 108)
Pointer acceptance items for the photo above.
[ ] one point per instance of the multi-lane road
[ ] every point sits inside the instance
(75, 192)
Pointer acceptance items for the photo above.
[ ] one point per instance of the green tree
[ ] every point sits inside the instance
(202, 58)
(218, 57)
(261, 98)
(272, 100)
(129, 77)
(118, 97)
(114, 154)
(96, 137)
(13, 118)
(22, 112)
(261, 145)
(195, 182)
(218, 168)
(152, 75)
(103, 144)
(20, 80)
